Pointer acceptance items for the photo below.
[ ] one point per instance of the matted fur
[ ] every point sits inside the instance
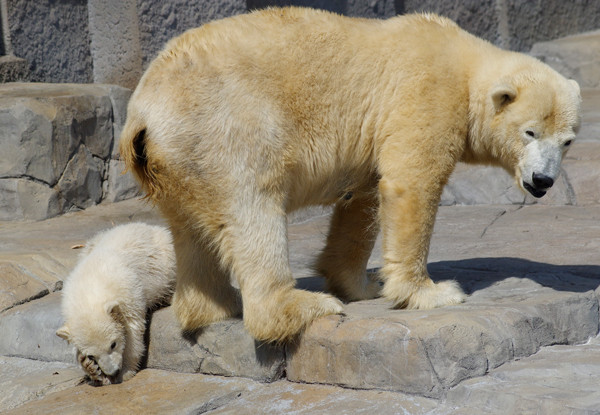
(243, 120)
(121, 274)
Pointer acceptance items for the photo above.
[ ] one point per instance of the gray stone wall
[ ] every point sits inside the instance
(53, 37)
(358, 8)
(515, 24)
(113, 41)
(159, 21)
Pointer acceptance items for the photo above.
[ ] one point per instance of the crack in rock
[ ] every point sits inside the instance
(498, 216)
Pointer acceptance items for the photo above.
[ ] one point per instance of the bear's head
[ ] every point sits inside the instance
(527, 122)
(99, 341)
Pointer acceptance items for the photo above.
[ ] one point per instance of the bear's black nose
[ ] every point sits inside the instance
(542, 181)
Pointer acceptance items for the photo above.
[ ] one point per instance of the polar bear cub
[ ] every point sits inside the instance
(121, 273)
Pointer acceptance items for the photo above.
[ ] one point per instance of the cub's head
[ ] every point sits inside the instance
(99, 339)
(531, 119)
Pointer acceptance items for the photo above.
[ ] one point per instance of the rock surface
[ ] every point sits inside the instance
(224, 348)
(175, 17)
(524, 300)
(23, 380)
(112, 41)
(557, 380)
(576, 57)
(59, 148)
(115, 42)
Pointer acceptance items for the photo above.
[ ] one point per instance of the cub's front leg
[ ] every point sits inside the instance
(407, 214)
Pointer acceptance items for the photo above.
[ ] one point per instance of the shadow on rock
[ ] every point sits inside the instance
(479, 273)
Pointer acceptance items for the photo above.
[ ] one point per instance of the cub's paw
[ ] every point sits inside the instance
(425, 296)
(93, 372)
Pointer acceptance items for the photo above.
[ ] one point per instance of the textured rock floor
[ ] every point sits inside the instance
(520, 344)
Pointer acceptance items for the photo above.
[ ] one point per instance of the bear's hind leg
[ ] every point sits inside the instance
(203, 292)
(343, 262)
(274, 310)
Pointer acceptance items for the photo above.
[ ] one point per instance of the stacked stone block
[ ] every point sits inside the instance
(58, 145)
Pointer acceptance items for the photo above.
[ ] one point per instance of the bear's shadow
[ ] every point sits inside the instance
(475, 274)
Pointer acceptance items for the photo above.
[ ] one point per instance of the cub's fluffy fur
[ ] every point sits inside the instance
(121, 274)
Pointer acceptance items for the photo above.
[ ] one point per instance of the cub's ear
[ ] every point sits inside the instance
(113, 309)
(64, 333)
(502, 95)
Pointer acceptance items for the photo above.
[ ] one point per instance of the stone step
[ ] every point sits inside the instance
(25, 380)
(155, 391)
(372, 347)
(557, 380)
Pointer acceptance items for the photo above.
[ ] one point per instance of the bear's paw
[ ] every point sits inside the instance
(427, 296)
(287, 314)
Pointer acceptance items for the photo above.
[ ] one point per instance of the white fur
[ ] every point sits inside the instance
(121, 274)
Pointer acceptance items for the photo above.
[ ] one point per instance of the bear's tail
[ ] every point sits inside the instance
(133, 148)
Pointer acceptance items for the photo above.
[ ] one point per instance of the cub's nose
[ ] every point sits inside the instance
(541, 181)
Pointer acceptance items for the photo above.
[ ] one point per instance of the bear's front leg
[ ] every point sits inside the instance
(273, 309)
(407, 215)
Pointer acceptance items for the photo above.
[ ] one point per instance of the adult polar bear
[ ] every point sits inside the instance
(242, 120)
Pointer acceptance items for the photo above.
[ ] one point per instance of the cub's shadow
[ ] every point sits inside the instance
(479, 273)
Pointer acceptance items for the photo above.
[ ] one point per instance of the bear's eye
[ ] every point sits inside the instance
(113, 345)
(530, 133)
(568, 143)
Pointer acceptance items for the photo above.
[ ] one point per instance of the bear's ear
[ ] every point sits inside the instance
(502, 95)
(64, 333)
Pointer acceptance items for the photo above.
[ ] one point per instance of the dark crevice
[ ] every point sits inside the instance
(498, 216)
(28, 177)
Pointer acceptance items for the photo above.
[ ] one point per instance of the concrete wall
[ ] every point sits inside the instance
(112, 41)
(53, 37)
(516, 24)
(357, 8)
(159, 21)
